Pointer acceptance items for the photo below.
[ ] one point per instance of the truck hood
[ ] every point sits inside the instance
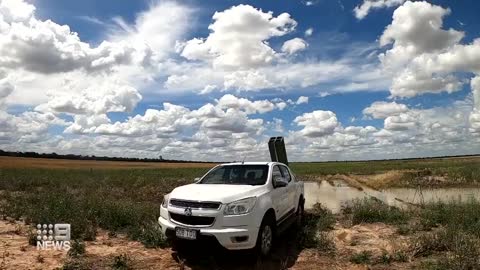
(215, 192)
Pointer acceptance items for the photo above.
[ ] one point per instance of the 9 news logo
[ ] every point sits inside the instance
(53, 237)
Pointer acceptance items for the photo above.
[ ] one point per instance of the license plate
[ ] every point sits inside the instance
(186, 233)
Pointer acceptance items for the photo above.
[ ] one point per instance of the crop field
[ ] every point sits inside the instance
(22, 163)
(120, 202)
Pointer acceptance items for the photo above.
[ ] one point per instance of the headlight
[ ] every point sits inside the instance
(165, 200)
(240, 207)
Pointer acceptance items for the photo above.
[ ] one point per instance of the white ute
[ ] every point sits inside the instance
(241, 205)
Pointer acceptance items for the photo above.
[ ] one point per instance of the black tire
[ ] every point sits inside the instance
(266, 235)
(175, 244)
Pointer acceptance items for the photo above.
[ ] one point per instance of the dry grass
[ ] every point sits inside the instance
(381, 180)
(44, 163)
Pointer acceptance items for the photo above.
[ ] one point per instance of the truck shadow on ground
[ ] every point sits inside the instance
(212, 256)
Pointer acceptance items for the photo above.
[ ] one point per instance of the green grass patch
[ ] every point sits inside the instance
(455, 214)
(124, 201)
(364, 257)
(461, 250)
(371, 210)
(122, 262)
(314, 233)
(77, 249)
(76, 264)
(455, 232)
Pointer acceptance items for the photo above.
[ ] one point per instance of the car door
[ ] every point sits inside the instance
(279, 194)
(290, 188)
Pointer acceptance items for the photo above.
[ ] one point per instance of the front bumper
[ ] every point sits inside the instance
(225, 236)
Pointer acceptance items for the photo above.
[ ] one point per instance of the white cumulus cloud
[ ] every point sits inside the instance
(382, 109)
(317, 123)
(309, 32)
(362, 10)
(238, 38)
(294, 45)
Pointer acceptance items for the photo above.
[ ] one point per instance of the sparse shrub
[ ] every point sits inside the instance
(325, 220)
(151, 236)
(77, 249)
(89, 232)
(385, 258)
(112, 234)
(324, 243)
(458, 235)
(18, 229)
(463, 250)
(32, 238)
(464, 215)
(316, 222)
(397, 256)
(400, 256)
(404, 229)
(76, 264)
(432, 265)
(363, 257)
(427, 243)
(40, 258)
(122, 262)
(372, 210)
(465, 254)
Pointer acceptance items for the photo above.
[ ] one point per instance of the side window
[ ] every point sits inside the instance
(276, 172)
(285, 173)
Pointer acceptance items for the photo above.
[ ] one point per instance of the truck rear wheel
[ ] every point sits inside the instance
(266, 236)
(300, 214)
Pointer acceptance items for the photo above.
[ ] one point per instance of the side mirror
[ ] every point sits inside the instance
(196, 179)
(279, 182)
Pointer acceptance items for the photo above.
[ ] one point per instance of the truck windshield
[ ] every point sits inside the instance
(237, 175)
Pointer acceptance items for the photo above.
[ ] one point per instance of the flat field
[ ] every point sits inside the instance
(22, 163)
(113, 207)
(432, 172)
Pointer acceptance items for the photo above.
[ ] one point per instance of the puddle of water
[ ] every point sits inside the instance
(336, 195)
(331, 196)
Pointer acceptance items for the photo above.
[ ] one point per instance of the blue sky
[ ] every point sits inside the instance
(339, 79)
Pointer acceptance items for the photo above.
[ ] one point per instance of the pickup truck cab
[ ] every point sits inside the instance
(241, 205)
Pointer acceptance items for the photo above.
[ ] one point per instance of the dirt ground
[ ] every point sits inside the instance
(16, 253)
(20, 162)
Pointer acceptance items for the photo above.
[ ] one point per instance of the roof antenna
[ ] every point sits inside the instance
(243, 161)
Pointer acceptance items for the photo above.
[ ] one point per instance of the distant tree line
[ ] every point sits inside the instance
(395, 159)
(92, 157)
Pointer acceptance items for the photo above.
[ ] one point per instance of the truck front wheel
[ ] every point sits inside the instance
(265, 236)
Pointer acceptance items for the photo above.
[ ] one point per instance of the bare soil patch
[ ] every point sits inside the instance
(15, 253)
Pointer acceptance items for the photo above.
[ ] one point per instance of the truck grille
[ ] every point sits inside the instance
(194, 204)
(192, 220)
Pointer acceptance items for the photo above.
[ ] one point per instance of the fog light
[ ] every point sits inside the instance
(239, 239)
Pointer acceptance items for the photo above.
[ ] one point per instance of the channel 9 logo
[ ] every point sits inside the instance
(53, 237)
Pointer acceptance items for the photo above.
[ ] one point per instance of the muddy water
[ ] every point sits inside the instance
(334, 195)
